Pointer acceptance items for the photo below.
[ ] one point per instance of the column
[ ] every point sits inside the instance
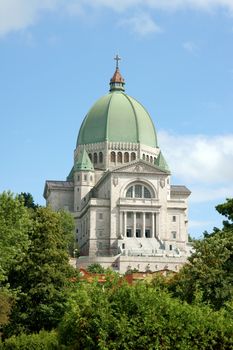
(157, 224)
(153, 225)
(143, 224)
(134, 224)
(125, 223)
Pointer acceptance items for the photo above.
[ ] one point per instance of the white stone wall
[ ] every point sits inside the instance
(61, 199)
(124, 263)
(102, 218)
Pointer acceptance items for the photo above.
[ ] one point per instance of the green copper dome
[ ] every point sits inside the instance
(117, 117)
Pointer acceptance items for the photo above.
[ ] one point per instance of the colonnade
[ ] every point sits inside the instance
(147, 230)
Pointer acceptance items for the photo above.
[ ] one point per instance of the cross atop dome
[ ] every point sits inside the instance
(117, 59)
(117, 82)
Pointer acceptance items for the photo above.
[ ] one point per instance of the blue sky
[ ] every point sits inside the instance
(56, 59)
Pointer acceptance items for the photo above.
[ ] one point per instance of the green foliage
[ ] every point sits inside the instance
(28, 200)
(41, 341)
(42, 275)
(190, 238)
(226, 209)
(95, 268)
(210, 271)
(14, 241)
(209, 275)
(140, 317)
(6, 301)
(14, 226)
(34, 263)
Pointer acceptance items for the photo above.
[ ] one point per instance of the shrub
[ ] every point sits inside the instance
(141, 317)
(41, 341)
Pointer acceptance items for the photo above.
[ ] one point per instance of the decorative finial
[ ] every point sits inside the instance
(117, 58)
(117, 82)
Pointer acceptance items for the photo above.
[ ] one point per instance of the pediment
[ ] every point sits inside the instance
(141, 167)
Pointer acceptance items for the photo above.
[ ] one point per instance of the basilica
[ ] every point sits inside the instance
(127, 213)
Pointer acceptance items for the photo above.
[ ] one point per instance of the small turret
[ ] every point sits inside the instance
(117, 82)
(83, 178)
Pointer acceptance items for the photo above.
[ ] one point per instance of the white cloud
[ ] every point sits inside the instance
(199, 158)
(203, 163)
(19, 14)
(122, 5)
(206, 194)
(142, 24)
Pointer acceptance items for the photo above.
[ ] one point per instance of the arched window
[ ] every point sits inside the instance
(129, 193)
(147, 193)
(95, 158)
(138, 191)
(154, 160)
(101, 157)
(126, 157)
(90, 156)
(113, 157)
(147, 158)
(133, 156)
(151, 159)
(119, 157)
(143, 156)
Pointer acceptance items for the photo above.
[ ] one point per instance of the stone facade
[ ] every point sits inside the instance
(127, 213)
(129, 216)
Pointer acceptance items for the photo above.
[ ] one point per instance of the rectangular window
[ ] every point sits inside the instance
(85, 177)
(123, 245)
(170, 247)
(78, 178)
(129, 232)
(138, 215)
(138, 233)
(174, 234)
(147, 233)
(174, 218)
(129, 215)
(147, 215)
(100, 216)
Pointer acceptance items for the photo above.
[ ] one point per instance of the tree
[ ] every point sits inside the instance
(226, 209)
(140, 316)
(95, 268)
(209, 274)
(5, 306)
(14, 226)
(28, 200)
(14, 242)
(42, 276)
